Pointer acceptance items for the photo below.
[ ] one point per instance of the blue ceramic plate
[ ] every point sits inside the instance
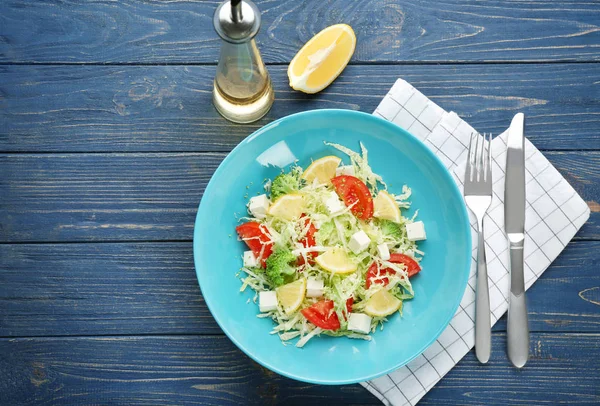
(401, 159)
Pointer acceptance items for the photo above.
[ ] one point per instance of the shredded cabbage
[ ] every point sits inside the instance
(308, 336)
(288, 239)
(361, 166)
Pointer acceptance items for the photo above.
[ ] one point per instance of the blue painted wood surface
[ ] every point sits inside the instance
(75, 31)
(153, 196)
(168, 108)
(96, 289)
(210, 370)
(108, 138)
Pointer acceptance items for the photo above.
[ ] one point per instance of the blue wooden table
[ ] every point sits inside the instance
(108, 138)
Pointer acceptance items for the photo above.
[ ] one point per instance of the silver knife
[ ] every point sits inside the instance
(514, 222)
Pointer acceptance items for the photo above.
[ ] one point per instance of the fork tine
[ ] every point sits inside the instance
(488, 160)
(469, 169)
(484, 162)
(479, 156)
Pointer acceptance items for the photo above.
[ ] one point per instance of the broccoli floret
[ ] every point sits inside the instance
(281, 262)
(286, 183)
(390, 229)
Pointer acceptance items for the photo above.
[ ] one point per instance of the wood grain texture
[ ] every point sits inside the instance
(387, 30)
(567, 296)
(168, 108)
(104, 166)
(562, 369)
(102, 196)
(152, 196)
(102, 289)
(151, 288)
(209, 370)
(176, 370)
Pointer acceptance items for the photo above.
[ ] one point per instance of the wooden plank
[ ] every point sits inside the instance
(573, 277)
(562, 369)
(169, 108)
(142, 196)
(151, 288)
(209, 370)
(182, 32)
(100, 289)
(135, 197)
(578, 170)
(176, 370)
(86, 197)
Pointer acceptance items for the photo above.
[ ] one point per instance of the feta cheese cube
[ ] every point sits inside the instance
(345, 170)
(359, 242)
(359, 322)
(314, 287)
(267, 301)
(249, 259)
(258, 206)
(383, 251)
(416, 231)
(334, 204)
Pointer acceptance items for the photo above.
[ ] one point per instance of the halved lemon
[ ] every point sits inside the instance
(382, 304)
(322, 169)
(335, 260)
(288, 207)
(386, 207)
(290, 296)
(322, 59)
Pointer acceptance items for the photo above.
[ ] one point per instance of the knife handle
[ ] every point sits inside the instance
(483, 329)
(517, 329)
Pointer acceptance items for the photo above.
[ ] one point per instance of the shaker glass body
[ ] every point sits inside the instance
(242, 90)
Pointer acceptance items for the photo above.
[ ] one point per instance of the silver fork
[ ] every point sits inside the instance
(478, 196)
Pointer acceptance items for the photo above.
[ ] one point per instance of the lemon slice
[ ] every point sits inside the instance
(386, 207)
(335, 260)
(288, 207)
(290, 296)
(322, 169)
(322, 59)
(382, 304)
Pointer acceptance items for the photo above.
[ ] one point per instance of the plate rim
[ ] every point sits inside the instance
(446, 174)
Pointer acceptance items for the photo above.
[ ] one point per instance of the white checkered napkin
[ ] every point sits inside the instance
(553, 215)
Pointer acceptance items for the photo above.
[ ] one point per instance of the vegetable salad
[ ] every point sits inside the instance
(329, 251)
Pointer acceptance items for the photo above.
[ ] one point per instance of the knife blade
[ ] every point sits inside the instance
(514, 222)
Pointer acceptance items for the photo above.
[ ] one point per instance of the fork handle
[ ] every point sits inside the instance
(483, 329)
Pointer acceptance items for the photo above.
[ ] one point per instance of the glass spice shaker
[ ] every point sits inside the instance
(242, 90)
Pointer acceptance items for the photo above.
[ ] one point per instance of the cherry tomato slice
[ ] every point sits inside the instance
(321, 314)
(308, 240)
(256, 236)
(349, 304)
(355, 194)
(372, 273)
(412, 268)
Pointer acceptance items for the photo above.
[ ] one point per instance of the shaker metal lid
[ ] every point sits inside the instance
(237, 21)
